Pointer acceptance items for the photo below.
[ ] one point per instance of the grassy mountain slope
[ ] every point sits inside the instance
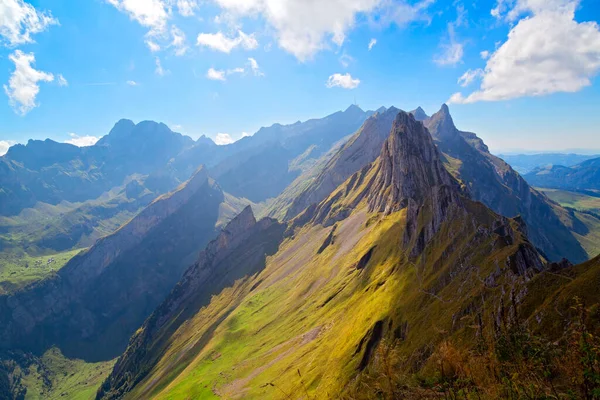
(396, 253)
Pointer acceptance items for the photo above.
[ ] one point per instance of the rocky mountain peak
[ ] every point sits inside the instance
(441, 124)
(354, 109)
(410, 169)
(419, 114)
(122, 129)
(242, 222)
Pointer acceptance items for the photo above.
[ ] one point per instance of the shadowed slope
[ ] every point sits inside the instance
(239, 251)
(92, 306)
(493, 182)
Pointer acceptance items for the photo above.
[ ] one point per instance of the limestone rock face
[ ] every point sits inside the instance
(362, 149)
(410, 168)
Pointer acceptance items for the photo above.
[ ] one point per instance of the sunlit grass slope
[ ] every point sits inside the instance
(309, 321)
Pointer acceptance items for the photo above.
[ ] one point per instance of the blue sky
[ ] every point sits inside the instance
(231, 66)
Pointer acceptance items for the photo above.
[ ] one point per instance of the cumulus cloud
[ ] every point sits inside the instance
(23, 88)
(344, 81)
(219, 42)
(223, 139)
(153, 14)
(215, 75)
(485, 55)
(20, 20)
(372, 44)
(132, 83)
(303, 28)
(5, 145)
(511, 10)
(546, 52)
(82, 141)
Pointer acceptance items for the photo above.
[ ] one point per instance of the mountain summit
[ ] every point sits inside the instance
(410, 169)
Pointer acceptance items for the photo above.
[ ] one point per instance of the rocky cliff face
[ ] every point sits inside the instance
(409, 169)
(494, 183)
(90, 308)
(360, 150)
(238, 252)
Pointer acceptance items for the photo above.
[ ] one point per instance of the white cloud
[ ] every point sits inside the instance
(235, 71)
(187, 8)
(545, 53)
(304, 28)
(223, 139)
(132, 83)
(19, 20)
(453, 50)
(153, 14)
(82, 141)
(245, 134)
(61, 80)
(344, 81)
(23, 85)
(511, 10)
(372, 43)
(153, 46)
(346, 59)
(215, 75)
(219, 42)
(469, 77)
(178, 42)
(160, 71)
(5, 145)
(254, 67)
(485, 55)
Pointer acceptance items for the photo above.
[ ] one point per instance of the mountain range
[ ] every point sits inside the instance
(525, 163)
(580, 177)
(366, 254)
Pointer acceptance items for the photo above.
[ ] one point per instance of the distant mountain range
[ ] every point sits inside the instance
(580, 177)
(525, 163)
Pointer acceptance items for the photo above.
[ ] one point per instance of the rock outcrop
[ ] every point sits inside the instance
(409, 168)
(360, 150)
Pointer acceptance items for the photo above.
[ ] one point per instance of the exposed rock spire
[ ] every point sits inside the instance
(410, 168)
